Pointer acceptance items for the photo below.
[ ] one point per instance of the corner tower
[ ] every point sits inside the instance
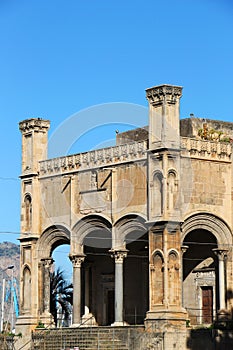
(34, 149)
(164, 218)
(164, 114)
(34, 143)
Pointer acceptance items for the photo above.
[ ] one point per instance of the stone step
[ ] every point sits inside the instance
(84, 339)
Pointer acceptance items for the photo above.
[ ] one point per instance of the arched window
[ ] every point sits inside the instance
(173, 278)
(157, 203)
(28, 212)
(157, 279)
(172, 190)
(26, 289)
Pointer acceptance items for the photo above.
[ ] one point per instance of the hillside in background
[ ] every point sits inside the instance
(9, 255)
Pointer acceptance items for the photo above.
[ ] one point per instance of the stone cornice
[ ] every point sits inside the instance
(158, 94)
(34, 124)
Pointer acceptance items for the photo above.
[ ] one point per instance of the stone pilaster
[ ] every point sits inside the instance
(166, 311)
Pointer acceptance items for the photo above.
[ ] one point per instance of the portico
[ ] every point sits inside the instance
(148, 222)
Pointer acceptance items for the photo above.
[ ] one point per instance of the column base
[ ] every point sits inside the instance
(119, 324)
(163, 319)
(75, 325)
(88, 320)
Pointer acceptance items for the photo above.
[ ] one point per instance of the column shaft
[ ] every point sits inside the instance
(77, 262)
(119, 256)
(221, 254)
(119, 292)
(221, 285)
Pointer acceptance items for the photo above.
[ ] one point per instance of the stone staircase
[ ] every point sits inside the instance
(93, 338)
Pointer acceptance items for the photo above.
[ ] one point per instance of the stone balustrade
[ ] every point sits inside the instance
(130, 152)
(207, 149)
(94, 159)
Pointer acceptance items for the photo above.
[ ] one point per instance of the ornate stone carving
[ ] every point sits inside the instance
(36, 124)
(77, 260)
(157, 94)
(207, 149)
(119, 255)
(221, 253)
(134, 151)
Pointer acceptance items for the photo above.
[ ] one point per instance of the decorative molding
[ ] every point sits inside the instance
(119, 255)
(221, 253)
(94, 159)
(34, 124)
(47, 262)
(159, 94)
(207, 149)
(211, 223)
(77, 260)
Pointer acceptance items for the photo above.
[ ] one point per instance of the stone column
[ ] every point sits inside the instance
(77, 262)
(119, 256)
(221, 254)
(46, 284)
(87, 292)
(183, 249)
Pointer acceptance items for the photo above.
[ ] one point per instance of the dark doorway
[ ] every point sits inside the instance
(110, 307)
(207, 304)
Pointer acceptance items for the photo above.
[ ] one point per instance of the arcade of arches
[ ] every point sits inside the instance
(149, 223)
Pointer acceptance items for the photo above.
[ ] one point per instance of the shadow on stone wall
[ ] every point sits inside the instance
(210, 339)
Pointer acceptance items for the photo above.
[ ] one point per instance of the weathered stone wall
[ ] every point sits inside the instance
(206, 187)
(139, 134)
(189, 127)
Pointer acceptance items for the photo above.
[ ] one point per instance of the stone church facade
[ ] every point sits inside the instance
(149, 222)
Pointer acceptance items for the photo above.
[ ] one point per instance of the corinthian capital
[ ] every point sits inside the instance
(47, 262)
(221, 253)
(119, 255)
(77, 260)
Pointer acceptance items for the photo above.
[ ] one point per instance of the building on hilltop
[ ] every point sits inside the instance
(149, 221)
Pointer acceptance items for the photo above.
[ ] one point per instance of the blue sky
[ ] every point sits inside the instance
(59, 57)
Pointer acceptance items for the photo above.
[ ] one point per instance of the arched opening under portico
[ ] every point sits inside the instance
(200, 277)
(131, 234)
(136, 278)
(206, 244)
(52, 239)
(98, 277)
(94, 285)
